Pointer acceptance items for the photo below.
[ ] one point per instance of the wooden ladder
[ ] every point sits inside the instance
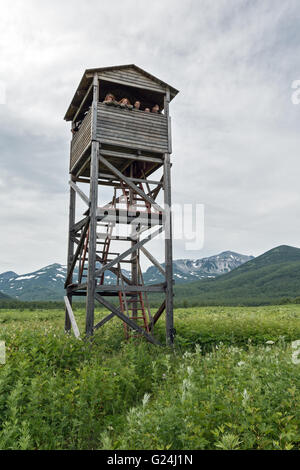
(134, 308)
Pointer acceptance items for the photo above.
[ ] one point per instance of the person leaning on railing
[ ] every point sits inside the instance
(125, 103)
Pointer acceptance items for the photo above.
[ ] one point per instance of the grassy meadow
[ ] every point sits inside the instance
(230, 383)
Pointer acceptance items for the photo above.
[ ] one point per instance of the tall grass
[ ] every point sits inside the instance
(223, 387)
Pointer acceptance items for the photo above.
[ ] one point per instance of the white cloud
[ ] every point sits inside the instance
(235, 131)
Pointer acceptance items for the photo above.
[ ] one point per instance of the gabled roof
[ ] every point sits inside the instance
(87, 80)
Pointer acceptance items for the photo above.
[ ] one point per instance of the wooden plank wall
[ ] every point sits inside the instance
(131, 77)
(132, 128)
(81, 140)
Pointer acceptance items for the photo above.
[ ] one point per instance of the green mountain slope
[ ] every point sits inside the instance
(265, 279)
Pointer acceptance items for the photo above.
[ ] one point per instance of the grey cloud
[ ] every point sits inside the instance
(235, 131)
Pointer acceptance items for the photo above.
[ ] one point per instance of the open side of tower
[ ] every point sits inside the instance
(117, 151)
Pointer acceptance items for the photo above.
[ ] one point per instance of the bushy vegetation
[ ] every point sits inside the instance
(229, 384)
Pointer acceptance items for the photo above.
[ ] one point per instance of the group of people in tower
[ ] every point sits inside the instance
(110, 100)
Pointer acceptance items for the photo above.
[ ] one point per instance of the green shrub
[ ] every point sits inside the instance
(222, 388)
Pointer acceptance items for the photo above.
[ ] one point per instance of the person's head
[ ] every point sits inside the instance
(125, 101)
(109, 97)
(137, 105)
(155, 109)
(147, 110)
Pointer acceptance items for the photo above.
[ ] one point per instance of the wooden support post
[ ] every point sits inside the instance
(72, 207)
(168, 240)
(72, 318)
(91, 277)
(134, 254)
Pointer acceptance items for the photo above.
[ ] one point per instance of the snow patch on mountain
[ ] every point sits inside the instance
(48, 283)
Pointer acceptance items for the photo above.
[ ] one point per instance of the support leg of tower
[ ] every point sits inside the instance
(70, 249)
(168, 252)
(91, 279)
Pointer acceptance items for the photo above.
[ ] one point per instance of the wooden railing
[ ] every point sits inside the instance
(132, 128)
(81, 140)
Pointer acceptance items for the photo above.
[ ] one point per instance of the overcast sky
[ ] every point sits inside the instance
(235, 130)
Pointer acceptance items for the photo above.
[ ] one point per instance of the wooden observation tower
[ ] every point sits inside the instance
(116, 152)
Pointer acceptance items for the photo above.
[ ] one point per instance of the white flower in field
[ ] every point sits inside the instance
(246, 397)
(186, 387)
(270, 342)
(241, 363)
(187, 354)
(146, 399)
(189, 370)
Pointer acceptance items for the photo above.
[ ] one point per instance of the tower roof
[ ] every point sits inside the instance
(130, 75)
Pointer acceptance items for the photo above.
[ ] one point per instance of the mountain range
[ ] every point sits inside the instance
(48, 283)
(269, 278)
(225, 279)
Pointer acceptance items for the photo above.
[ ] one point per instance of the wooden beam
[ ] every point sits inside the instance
(134, 180)
(72, 318)
(131, 216)
(168, 253)
(75, 257)
(153, 260)
(129, 251)
(80, 193)
(158, 314)
(112, 270)
(130, 184)
(126, 320)
(132, 288)
(119, 81)
(76, 227)
(83, 102)
(130, 156)
(119, 258)
(105, 320)
(125, 278)
(82, 168)
(92, 246)
(72, 207)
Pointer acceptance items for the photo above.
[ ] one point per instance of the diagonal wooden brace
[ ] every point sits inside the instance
(153, 260)
(158, 314)
(80, 193)
(129, 251)
(125, 319)
(77, 253)
(105, 320)
(131, 185)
